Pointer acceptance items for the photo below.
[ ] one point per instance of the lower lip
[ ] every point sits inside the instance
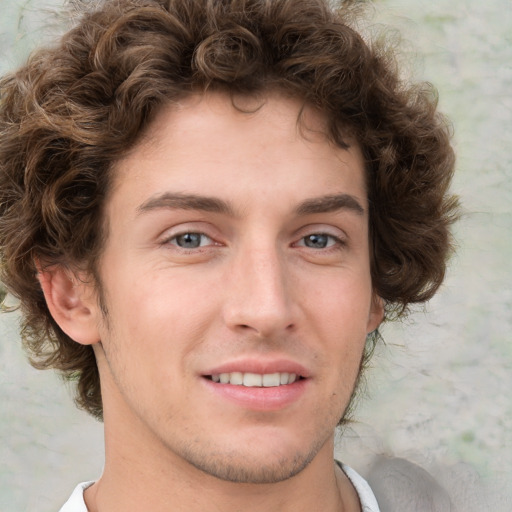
(260, 398)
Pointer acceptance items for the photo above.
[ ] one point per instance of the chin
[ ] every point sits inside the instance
(253, 471)
(254, 460)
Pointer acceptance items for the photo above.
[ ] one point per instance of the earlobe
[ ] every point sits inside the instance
(71, 303)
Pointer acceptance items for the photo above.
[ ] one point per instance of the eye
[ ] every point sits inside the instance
(190, 240)
(319, 241)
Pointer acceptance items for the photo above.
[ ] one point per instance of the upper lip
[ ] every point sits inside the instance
(260, 366)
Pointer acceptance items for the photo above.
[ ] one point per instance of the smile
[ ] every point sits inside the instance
(264, 387)
(255, 380)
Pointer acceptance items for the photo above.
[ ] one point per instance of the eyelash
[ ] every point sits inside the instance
(175, 237)
(333, 242)
(336, 242)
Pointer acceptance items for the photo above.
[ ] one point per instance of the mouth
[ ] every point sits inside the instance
(259, 386)
(255, 380)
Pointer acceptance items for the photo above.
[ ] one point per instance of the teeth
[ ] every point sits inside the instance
(236, 378)
(251, 380)
(255, 380)
(270, 380)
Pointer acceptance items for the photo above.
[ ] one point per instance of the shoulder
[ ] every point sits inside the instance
(403, 485)
(76, 501)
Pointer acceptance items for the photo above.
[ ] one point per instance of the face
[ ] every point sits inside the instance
(237, 283)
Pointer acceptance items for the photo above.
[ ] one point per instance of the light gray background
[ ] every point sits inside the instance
(439, 392)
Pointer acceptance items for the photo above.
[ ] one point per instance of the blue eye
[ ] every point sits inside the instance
(190, 240)
(319, 241)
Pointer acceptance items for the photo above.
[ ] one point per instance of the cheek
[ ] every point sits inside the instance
(162, 315)
(340, 303)
(339, 318)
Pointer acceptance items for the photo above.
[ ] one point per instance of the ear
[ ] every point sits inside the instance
(71, 302)
(376, 314)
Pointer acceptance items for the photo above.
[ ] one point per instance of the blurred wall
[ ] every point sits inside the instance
(438, 394)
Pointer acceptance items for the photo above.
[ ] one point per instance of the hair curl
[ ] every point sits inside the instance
(73, 110)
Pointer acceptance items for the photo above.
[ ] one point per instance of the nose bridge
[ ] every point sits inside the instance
(259, 294)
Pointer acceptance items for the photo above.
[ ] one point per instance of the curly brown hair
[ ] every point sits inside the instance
(75, 109)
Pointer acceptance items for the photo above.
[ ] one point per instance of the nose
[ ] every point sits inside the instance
(259, 295)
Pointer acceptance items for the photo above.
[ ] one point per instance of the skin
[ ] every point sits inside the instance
(270, 271)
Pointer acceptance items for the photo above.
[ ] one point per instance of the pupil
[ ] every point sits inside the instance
(189, 240)
(316, 241)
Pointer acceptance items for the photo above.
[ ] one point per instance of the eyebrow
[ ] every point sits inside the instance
(323, 204)
(187, 202)
(331, 203)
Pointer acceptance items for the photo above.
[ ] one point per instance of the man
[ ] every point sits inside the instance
(207, 209)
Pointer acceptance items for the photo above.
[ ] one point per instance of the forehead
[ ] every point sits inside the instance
(237, 117)
(243, 140)
(213, 110)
